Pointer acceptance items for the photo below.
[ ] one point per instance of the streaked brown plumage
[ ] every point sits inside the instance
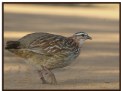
(48, 51)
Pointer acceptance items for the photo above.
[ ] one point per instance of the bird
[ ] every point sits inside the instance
(46, 51)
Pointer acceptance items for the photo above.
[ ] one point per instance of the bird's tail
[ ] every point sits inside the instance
(12, 45)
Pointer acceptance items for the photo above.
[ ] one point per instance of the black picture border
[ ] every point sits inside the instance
(61, 3)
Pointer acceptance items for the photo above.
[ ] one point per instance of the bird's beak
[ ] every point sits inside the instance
(88, 37)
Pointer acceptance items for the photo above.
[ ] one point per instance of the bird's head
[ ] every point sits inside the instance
(81, 37)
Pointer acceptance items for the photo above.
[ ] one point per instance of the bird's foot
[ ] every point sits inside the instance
(53, 81)
(43, 80)
(51, 76)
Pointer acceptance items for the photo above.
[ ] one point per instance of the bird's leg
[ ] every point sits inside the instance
(41, 77)
(51, 75)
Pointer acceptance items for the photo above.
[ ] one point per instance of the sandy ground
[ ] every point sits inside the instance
(97, 67)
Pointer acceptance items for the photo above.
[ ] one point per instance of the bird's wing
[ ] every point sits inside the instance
(49, 44)
(28, 39)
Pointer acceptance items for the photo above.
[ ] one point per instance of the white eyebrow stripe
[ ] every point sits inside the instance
(81, 33)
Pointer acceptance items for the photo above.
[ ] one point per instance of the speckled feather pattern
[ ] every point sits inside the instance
(52, 51)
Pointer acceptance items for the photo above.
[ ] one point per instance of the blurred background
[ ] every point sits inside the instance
(97, 67)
